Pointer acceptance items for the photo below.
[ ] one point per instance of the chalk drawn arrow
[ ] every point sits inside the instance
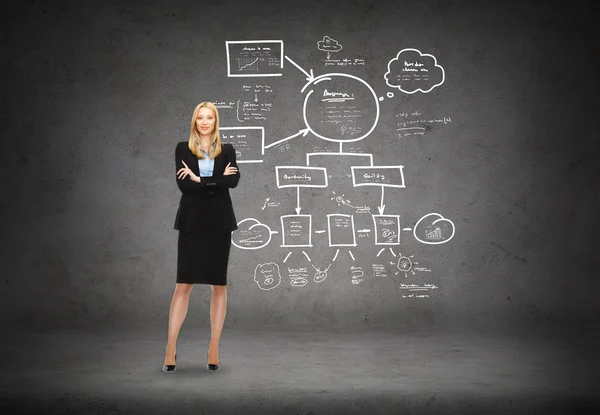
(309, 77)
(303, 132)
(381, 205)
(298, 201)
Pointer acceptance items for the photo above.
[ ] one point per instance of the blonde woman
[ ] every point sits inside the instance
(205, 171)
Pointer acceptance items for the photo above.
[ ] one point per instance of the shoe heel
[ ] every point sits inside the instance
(211, 366)
(170, 368)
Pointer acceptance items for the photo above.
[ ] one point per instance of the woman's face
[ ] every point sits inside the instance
(205, 123)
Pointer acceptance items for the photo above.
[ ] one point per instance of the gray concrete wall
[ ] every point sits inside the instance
(96, 95)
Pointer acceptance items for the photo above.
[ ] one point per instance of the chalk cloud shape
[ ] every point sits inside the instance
(429, 73)
(251, 234)
(433, 220)
(329, 45)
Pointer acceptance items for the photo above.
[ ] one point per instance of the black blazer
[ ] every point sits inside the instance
(205, 205)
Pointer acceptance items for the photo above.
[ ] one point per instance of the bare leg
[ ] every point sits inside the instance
(179, 307)
(218, 309)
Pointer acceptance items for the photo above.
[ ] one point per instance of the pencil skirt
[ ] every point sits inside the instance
(202, 257)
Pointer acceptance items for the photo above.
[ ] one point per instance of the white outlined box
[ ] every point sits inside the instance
(382, 176)
(296, 231)
(301, 176)
(249, 142)
(387, 229)
(254, 58)
(340, 228)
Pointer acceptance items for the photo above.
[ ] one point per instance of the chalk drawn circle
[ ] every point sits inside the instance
(404, 264)
(381, 98)
(390, 95)
(340, 107)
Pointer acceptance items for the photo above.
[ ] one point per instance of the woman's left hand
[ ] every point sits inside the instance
(185, 171)
(229, 170)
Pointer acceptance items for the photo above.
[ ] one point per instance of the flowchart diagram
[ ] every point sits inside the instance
(342, 109)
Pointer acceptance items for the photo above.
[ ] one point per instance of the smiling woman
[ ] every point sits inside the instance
(205, 171)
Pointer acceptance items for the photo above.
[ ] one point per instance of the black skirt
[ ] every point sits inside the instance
(202, 257)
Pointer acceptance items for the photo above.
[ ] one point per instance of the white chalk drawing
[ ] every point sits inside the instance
(303, 132)
(335, 256)
(387, 229)
(248, 142)
(357, 274)
(412, 71)
(269, 203)
(434, 232)
(379, 271)
(298, 276)
(329, 45)
(301, 176)
(405, 264)
(417, 287)
(251, 234)
(384, 176)
(320, 275)
(414, 123)
(267, 276)
(338, 109)
(340, 228)
(333, 158)
(286, 257)
(341, 200)
(296, 231)
(254, 58)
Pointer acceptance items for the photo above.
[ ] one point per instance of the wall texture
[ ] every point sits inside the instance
(96, 96)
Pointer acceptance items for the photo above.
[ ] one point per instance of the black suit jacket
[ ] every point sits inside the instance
(205, 205)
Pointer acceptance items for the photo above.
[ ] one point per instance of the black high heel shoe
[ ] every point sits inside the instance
(170, 368)
(210, 366)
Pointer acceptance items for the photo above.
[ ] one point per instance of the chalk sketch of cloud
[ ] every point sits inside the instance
(251, 234)
(329, 45)
(396, 66)
(432, 219)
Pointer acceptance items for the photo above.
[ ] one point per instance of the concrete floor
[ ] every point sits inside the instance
(303, 370)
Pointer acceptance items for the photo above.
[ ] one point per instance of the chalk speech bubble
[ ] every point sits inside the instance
(412, 71)
(329, 45)
(435, 232)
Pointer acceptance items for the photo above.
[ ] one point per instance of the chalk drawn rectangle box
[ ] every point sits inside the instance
(381, 176)
(296, 231)
(254, 58)
(387, 229)
(301, 176)
(249, 142)
(341, 230)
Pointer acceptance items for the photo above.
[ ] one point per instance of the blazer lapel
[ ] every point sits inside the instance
(219, 167)
(192, 162)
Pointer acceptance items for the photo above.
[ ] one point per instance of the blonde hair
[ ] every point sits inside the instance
(215, 140)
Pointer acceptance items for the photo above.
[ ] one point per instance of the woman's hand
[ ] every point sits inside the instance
(186, 171)
(229, 170)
